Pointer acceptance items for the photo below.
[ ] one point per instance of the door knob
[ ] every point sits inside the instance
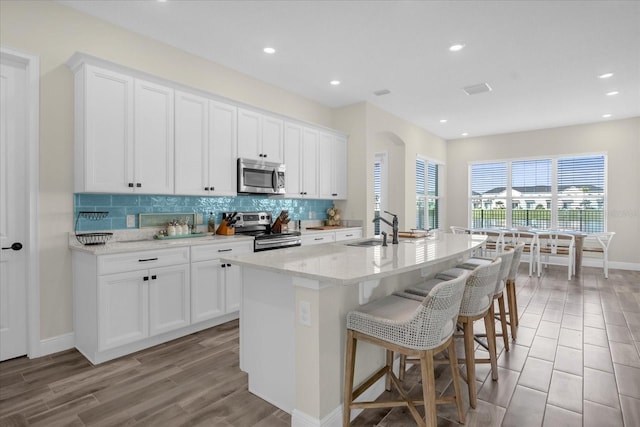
(16, 246)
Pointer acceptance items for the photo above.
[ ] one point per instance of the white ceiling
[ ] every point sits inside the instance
(541, 58)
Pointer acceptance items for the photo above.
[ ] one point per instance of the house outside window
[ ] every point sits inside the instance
(557, 192)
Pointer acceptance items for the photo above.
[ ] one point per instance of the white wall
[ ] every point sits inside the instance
(619, 139)
(55, 32)
(374, 130)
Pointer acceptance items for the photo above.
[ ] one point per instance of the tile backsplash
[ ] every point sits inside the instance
(121, 205)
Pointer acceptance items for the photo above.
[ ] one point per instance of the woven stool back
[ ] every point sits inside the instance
(479, 289)
(432, 323)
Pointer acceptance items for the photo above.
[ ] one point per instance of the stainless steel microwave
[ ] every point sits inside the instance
(259, 177)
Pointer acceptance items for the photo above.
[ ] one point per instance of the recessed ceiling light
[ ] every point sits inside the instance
(606, 116)
(269, 50)
(605, 75)
(334, 82)
(465, 133)
(613, 92)
(443, 120)
(456, 47)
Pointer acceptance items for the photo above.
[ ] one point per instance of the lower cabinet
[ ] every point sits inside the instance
(129, 301)
(331, 236)
(215, 285)
(143, 303)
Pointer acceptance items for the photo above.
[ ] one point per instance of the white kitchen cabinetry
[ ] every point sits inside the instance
(332, 166)
(349, 234)
(126, 302)
(205, 146)
(301, 160)
(215, 285)
(260, 136)
(318, 238)
(124, 139)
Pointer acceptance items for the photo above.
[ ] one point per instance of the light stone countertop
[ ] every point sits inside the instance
(149, 243)
(344, 265)
(142, 240)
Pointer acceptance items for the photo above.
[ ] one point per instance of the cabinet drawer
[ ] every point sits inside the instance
(316, 239)
(348, 234)
(131, 261)
(209, 252)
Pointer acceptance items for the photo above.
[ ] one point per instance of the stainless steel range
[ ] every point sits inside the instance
(258, 224)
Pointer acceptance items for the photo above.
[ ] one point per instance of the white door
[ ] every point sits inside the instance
(169, 298)
(222, 149)
(192, 144)
(13, 212)
(207, 290)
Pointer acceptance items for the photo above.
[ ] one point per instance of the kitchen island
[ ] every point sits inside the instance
(293, 315)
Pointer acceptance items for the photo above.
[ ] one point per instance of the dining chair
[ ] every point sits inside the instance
(530, 240)
(598, 243)
(494, 241)
(557, 248)
(459, 230)
(415, 327)
(476, 304)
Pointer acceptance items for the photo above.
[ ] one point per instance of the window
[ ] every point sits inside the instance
(563, 192)
(379, 188)
(427, 194)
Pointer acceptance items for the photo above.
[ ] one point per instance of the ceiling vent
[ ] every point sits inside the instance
(477, 88)
(382, 92)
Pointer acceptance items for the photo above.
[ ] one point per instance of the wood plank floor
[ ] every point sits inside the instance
(576, 362)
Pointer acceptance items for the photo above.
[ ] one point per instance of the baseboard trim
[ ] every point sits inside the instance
(57, 344)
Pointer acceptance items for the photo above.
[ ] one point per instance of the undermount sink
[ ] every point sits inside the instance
(366, 243)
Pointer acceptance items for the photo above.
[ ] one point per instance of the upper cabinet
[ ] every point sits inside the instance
(301, 161)
(135, 133)
(332, 169)
(124, 133)
(205, 146)
(260, 136)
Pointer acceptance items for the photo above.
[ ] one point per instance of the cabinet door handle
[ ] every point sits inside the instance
(212, 188)
(319, 238)
(348, 235)
(228, 265)
(154, 277)
(264, 155)
(225, 250)
(223, 265)
(130, 185)
(334, 194)
(138, 184)
(147, 259)
(206, 188)
(145, 278)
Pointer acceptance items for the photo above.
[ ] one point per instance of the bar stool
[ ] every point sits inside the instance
(507, 258)
(417, 328)
(476, 303)
(511, 289)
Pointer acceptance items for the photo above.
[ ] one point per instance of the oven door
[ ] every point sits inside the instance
(260, 177)
(260, 245)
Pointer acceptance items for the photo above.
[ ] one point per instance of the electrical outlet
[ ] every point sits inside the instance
(304, 313)
(131, 221)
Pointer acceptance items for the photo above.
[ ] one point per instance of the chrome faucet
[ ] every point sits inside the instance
(394, 225)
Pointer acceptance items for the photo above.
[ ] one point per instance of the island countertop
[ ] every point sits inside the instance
(342, 264)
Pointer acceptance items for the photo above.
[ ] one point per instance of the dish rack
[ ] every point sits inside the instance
(92, 238)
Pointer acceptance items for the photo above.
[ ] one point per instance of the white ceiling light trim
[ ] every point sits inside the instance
(443, 120)
(612, 93)
(605, 76)
(334, 82)
(456, 47)
(606, 116)
(269, 50)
